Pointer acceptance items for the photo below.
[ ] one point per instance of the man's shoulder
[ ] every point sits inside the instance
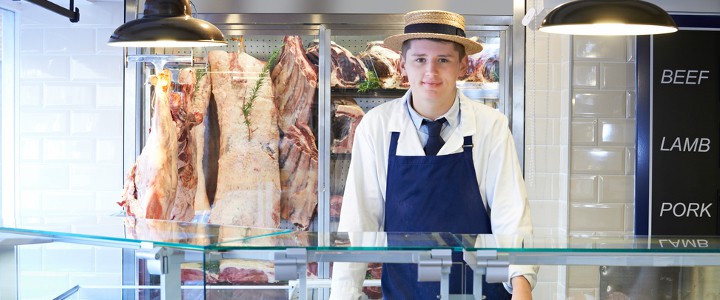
(481, 110)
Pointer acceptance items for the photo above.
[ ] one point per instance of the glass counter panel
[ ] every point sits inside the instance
(114, 231)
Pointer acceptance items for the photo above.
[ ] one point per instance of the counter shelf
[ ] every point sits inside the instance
(165, 244)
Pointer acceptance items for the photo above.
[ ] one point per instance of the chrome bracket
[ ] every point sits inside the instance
(291, 264)
(166, 263)
(436, 267)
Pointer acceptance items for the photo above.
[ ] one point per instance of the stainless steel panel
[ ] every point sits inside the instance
(516, 99)
(667, 283)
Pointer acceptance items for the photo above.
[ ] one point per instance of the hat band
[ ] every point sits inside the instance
(434, 28)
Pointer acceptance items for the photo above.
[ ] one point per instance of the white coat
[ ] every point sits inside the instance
(496, 166)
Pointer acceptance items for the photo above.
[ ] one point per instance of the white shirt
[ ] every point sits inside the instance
(494, 158)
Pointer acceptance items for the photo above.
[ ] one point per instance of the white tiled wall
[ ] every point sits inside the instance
(603, 146)
(69, 163)
(580, 137)
(603, 121)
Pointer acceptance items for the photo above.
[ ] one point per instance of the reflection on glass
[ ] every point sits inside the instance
(348, 241)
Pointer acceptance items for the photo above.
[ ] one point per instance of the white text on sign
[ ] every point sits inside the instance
(684, 76)
(684, 243)
(686, 145)
(692, 209)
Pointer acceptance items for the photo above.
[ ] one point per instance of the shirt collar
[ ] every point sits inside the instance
(451, 116)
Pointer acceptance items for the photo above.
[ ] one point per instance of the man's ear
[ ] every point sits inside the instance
(463, 66)
(402, 66)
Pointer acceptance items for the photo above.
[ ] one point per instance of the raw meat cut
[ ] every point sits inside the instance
(335, 205)
(186, 115)
(245, 271)
(346, 115)
(151, 183)
(295, 83)
(385, 62)
(346, 70)
(483, 66)
(248, 180)
(299, 175)
(194, 274)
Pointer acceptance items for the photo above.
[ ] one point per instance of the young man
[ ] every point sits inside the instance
(433, 161)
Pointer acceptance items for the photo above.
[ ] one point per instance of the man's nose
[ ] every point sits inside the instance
(431, 67)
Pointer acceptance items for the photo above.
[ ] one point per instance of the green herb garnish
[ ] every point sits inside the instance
(372, 82)
(249, 101)
(199, 74)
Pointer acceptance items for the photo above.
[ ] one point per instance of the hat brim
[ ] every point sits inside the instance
(395, 41)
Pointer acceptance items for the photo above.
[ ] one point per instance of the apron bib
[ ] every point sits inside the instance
(434, 194)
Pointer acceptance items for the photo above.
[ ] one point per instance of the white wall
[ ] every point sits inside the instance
(69, 133)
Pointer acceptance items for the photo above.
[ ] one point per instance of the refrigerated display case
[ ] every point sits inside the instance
(491, 80)
(328, 27)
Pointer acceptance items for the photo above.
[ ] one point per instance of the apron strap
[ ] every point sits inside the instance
(393, 143)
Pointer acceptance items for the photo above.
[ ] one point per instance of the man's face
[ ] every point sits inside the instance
(432, 67)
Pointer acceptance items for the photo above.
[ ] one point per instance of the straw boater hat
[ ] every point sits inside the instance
(434, 24)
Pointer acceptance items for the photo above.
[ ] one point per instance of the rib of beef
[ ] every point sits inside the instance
(295, 82)
(248, 181)
(385, 62)
(151, 183)
(299, 175)
(347, 71)
(346, 115)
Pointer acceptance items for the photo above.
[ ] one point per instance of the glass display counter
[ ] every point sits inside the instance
(192, 258)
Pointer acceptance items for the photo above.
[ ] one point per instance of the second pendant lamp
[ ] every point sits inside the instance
(608, 17)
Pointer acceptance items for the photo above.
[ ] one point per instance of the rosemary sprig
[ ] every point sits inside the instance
(249, 101)
(199, 74)
(372, 82)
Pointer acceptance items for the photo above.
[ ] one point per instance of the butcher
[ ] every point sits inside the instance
(433, 161)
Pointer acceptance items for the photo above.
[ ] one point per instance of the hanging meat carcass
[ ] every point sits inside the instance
(295, 82)
(186, 115)
(150, 185)
(347, 71)
(248, 180)
(202, 100)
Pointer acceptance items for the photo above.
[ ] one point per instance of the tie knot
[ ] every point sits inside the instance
(434, 127)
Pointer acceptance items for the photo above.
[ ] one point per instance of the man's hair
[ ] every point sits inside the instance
(458, 47)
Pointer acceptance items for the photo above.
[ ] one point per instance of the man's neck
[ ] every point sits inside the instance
(432, 108)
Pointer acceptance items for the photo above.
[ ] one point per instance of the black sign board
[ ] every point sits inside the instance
(684, 165)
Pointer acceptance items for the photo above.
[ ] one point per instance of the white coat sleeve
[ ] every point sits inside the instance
(362, 209)
(507, 196)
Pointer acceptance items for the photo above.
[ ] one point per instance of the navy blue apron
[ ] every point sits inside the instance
(433, 194)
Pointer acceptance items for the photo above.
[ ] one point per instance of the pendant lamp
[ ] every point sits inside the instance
(167, 23)
(608, 17)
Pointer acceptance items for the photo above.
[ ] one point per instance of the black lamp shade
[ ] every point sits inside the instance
(608, 17)
(167, 23)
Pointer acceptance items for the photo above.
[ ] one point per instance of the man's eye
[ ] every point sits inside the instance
(420, 60)
(444, 60)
